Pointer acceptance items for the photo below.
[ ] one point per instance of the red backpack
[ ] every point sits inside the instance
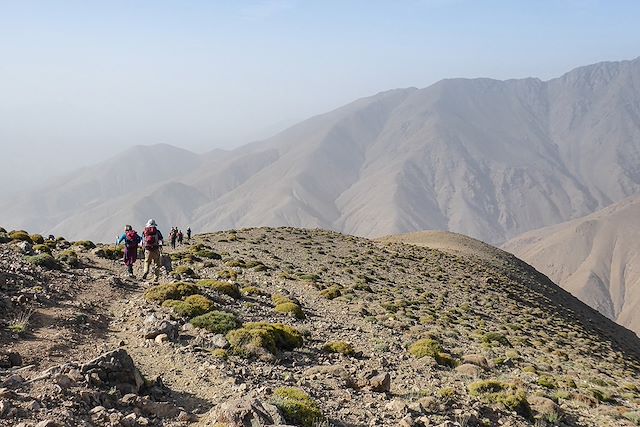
(132, 238)
(151, 237)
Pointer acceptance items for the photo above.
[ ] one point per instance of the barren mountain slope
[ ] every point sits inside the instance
(309, 328)
(491, 159)
(596, 258)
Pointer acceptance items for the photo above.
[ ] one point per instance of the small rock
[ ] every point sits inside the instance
(13, 380)
(469, 370)
(219, 341)
(5, 407)
(63, 381)
(129, 420)
(162, 338)
(97, 410)
(47, 423)
(381, 383)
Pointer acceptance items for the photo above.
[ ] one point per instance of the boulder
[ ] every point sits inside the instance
(114, 369)
(476, 359)
(375, 381)
(469, 370)
(245, 412)
(543, 406)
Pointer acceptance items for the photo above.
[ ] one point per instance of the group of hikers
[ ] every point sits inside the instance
(177, 235)
(152, 241)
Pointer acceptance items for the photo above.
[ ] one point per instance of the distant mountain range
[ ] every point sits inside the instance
(490, 159)
(596, 258)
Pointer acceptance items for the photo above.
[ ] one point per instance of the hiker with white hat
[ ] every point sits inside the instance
(152, 241)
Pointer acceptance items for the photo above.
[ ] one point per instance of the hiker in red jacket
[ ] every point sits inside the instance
(131, 240)
(152, 241)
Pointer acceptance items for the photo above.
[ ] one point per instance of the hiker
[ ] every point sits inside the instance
(173, 235)
(131, 240)
(188, 233)
(152, 242)
(180, 237)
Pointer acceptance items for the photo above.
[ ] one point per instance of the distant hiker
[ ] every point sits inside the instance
(131, 240)
(188, 233)
(152, 242)
(173, 235)
(180, 237)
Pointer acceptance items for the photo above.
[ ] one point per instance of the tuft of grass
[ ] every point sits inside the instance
(20, 324)
(253, 339)
(37, 239)
(297, 406)
(193, 305)
(341, 347)
(331, 292)
(290, 308)
(42, 249)
(230, 289)
(174, 291)
(254, 290)
(184, 271)
(495, 337)
(207, 253)
(20, 235)
(44, 260)
(217, 322)
(428, 347)
(497, 392)
(69, 257)
(87, 244)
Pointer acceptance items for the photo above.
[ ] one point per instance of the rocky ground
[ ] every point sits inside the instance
(302, 327)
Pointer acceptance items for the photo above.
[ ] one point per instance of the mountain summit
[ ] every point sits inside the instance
(487, 158)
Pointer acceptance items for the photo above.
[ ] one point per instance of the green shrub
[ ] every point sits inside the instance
(253, 290)
(69, 257)
(331, 292)
(495, 337)
(235, 263)
(341, 347)
(20, 235)
(37, 239)
(290, 308)
(255, 338)
(175, 291)
(184, 271)
(430, 347)
(219, 353)
(297, 406)
(230, 289)
(493, 391)
(109, 252)
(193, 305)
(547, 381)
(43, 260)
(633, 416)
(281, 299)
(207, 253)
(87, 244)
(218, 322)
(310, 277)
(227, 274)
(42, 249)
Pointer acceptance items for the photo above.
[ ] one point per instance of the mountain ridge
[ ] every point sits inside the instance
(487, 158)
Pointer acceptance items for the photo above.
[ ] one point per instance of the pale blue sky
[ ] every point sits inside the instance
(93, 77)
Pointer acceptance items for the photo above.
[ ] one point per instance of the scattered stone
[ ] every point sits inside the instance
(13, 380)
(374, 381)
(10, 359)
(243, 413)
(469, 370)
(115, 369)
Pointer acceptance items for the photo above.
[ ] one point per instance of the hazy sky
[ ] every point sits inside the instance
(82, 80)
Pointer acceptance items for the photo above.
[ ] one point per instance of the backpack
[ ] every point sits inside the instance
(132, 238)
(151, 237)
